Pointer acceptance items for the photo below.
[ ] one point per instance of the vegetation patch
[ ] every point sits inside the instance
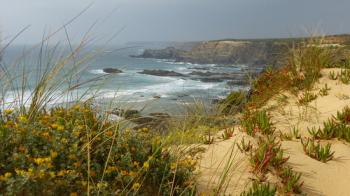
(317, 151)
(263, 189)
(75, 150)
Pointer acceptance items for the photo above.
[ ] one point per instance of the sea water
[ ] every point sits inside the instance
(131, 88)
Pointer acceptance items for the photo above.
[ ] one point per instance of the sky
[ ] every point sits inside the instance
(171, 20)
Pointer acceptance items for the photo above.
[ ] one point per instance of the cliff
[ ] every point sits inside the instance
(226, 52)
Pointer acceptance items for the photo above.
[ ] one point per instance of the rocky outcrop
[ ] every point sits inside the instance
(111, 70)
(167, 53)
(158, 72)
(206, 76)
(224, 52)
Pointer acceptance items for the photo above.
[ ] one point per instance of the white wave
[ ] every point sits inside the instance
(97, 71)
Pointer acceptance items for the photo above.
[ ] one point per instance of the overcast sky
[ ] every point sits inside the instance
(174, 20)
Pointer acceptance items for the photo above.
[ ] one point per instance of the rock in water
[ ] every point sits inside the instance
(111, 70)
(158, 72)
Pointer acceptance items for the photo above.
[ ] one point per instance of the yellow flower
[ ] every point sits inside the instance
(54, 126)
(145, 129)
(173, 166)
(136, 186)
(73, 194)
(132, 174)
(77, 107)
(101, 185)
(8, 111)
(109, 133)
(8, 175)
(136, 164)
(52, 174)
(146, 165)
(22, 118)
(54, 154)
(60, 128)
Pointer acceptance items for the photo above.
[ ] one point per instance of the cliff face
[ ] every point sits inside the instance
(233, 52)
(226, 52)
(222, 52)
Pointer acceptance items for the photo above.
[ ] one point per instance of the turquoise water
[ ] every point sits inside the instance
(135, 89)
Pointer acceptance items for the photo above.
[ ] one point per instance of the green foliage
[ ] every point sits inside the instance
(306, 98)
(268, 154)
(233, 103)
(292, 134)
(243, 146)
(344, 76)
(267, 85)
(333, 76)
(257, 122)
(228, 133)
(337, 127)
(260, 189)
(324, 91)
(316, 151)
(344, 115)
(208, 139)
(291, 181)
(74, 150)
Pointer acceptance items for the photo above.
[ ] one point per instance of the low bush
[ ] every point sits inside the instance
(77, 151)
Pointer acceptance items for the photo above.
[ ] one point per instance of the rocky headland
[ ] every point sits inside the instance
(254, 52)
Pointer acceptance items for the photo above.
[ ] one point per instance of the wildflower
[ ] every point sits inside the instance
(136, 164)
(77, 164)
(7, 175)
(52, 174)
(145, 130)
(54, 126)
(8, 111)
(73, 194)
(109, 133)
(173, 166)
(124, 172)
(101, 184)
(136, 186)
(146, 165)
(60, 128)
(132, 174)
(76, 107)
(54, 154)
(22, 118)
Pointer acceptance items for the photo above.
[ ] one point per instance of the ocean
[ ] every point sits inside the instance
(135, 90)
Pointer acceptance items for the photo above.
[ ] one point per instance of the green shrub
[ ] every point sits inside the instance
(76, 151)
(233, 103)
